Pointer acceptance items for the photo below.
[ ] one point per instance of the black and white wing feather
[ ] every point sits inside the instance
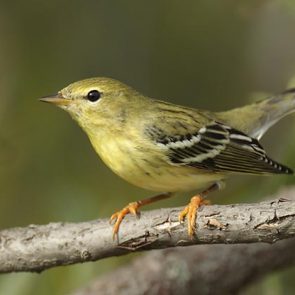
(219, 148)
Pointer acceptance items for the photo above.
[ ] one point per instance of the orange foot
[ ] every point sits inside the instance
(190, 212)
(131, 208)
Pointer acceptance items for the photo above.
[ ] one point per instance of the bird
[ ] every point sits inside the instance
(169, 148)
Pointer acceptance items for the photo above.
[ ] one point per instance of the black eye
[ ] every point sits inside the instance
(93, 95)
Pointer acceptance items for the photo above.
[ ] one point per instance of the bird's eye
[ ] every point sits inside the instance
(93, 95)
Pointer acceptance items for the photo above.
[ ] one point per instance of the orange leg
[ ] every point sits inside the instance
(190, 211)
(133, 208)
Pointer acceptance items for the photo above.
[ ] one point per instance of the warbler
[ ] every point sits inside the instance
(163, 147)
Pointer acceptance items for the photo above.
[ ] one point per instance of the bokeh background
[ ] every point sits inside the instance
(207, 54)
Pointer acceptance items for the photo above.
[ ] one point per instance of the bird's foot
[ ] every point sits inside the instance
(117, 217)
(133, 208)
(190, 212)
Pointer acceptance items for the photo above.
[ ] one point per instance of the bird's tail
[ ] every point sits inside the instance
(255, 119)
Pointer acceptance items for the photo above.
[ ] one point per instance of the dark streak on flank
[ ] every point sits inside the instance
(122, 116)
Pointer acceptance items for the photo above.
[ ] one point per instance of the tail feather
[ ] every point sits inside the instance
(255, 119)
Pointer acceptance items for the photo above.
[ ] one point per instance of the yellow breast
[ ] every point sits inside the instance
(148, 168)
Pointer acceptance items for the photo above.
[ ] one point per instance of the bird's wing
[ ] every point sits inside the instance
(217, 147)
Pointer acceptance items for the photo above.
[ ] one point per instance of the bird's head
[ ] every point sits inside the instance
(92, 101)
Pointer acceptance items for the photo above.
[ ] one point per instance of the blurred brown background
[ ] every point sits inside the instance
(206, 54)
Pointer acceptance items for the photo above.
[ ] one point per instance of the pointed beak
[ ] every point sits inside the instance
(56, 99)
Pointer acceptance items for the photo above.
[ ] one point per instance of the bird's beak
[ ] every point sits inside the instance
(57, 99)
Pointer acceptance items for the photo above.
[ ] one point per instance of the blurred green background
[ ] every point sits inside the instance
(207, 54)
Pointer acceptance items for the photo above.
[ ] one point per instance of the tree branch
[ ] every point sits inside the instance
(206, 269)
(39, 247)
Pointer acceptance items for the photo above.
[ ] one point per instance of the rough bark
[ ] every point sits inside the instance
(203, 269)
(39, 247)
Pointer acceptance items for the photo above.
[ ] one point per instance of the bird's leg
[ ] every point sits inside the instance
(133, 208)
(190, 211)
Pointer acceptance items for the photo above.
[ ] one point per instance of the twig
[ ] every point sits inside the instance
(39, 247)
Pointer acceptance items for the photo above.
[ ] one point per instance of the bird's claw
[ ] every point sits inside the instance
(117, 217)
(190, 212)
